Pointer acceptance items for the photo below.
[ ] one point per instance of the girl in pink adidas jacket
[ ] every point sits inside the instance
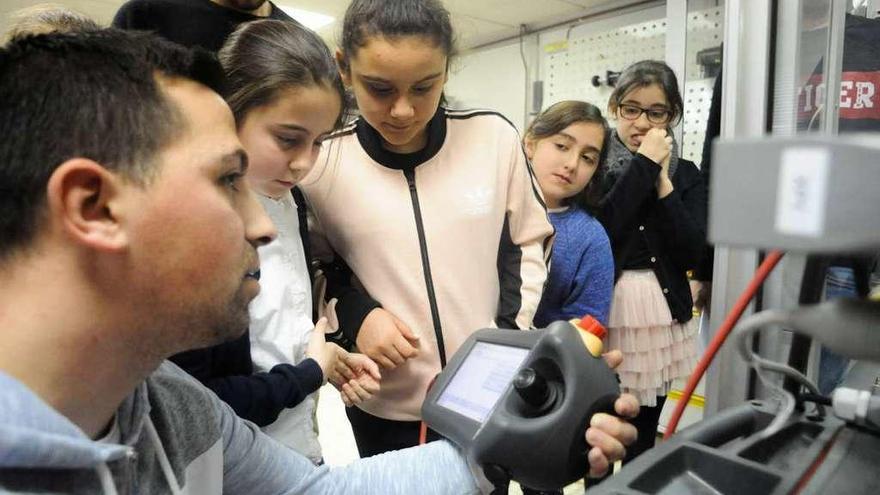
(428, 221)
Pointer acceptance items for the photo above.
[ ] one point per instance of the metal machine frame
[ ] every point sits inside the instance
(761, 41)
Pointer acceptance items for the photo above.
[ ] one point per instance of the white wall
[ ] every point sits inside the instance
(565, 59)
(493, 78)
(610, 42)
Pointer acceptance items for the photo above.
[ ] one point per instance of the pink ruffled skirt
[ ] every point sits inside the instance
(656, 350)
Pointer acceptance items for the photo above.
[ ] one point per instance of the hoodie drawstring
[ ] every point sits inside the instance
(163, 459)
(107, 484)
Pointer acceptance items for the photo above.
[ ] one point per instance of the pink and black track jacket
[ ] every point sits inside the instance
(450, 239)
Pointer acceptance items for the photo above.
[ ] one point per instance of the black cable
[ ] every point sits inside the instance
(812, 286)
(523, 29)
(816, 399)
(752, 388)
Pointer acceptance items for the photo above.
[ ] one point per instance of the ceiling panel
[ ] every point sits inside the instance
(594, 3)
(470, 31)
(512, 12)
(333, 8)
(476, 21)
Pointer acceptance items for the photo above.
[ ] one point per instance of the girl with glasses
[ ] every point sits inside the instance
(654, 210)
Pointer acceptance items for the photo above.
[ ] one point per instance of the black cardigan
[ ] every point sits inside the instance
(228, 370)
(674, 228)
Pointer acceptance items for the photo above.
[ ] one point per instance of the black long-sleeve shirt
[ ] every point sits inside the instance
(187, 22)
(227, 369)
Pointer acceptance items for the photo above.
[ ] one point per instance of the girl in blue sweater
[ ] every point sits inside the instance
(565, 144)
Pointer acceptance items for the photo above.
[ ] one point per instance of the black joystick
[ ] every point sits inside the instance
(517, 403)
(533, 389)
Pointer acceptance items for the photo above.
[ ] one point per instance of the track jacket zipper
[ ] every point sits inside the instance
(410, 175)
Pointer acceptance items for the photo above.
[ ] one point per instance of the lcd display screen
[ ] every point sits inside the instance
(483, 376)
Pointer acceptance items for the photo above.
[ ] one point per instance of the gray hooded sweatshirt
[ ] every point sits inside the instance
(174, 436)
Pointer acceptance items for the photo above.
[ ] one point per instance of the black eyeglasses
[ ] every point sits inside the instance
(655, 115)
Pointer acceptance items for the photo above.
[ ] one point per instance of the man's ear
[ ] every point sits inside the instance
(344, 69)
(83, 200)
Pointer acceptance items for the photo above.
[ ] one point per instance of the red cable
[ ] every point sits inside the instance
(811, 471)
(423, 433)
(760, 275)
(423, 427)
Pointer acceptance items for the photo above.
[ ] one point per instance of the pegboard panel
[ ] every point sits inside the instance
(705, 29)
(697, 96)
(569, 66)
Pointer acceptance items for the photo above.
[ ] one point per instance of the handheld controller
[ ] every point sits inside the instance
(518, 403)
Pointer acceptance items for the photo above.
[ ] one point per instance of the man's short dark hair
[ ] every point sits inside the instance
(88, 95)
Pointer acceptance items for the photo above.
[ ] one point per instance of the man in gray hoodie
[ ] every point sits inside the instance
(127, 234)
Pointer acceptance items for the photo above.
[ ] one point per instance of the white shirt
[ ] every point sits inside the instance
(281, 321)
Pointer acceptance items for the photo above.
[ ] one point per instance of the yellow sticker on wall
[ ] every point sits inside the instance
(559, 46)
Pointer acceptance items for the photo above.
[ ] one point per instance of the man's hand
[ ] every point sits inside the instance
(386, 340)
(356, 377)
(609, 435)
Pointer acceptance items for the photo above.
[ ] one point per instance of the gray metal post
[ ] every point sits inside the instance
(803, 354)
(745, 86)
(834, 67)
(676, 46)
(745, 100)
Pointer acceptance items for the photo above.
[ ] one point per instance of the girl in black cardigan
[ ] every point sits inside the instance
(654, 211)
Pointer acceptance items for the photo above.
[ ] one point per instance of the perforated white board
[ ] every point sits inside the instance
(705, 30)
(569, 70)
(568, 67)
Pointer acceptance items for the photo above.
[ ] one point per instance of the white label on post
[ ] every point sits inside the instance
(802, 192)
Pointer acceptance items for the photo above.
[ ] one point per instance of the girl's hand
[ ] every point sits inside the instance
(387, 340)
(664, 165)
(356, 377)
(325, 353)
(656, 145)
(664, 184)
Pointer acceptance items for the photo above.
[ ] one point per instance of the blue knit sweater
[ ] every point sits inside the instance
(581, 276)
